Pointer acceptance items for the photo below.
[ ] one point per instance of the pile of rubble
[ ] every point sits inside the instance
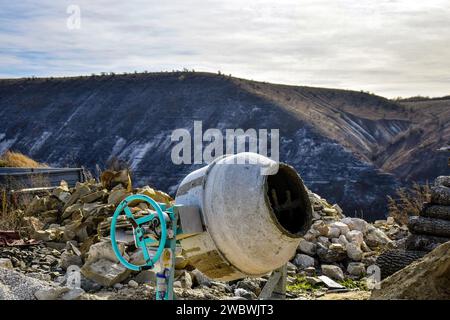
(69, 225)
(72, 225)
(340, 247)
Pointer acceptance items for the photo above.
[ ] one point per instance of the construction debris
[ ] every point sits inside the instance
(336, 243)
(70, 229)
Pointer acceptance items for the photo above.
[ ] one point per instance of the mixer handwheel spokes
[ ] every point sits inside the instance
(140, 231)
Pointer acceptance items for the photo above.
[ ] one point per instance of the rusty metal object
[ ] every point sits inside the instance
(13, 239)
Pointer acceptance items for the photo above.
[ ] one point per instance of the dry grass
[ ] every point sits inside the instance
(10, 218)
(10, 213)
(408, 202)
(18, 160)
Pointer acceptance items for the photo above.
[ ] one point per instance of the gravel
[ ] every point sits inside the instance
(16, 286)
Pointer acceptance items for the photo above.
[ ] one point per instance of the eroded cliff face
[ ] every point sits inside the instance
(87, 120)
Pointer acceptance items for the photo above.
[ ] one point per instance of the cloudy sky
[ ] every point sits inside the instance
(389, 47)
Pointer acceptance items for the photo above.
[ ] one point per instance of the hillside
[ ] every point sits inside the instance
(351, 147)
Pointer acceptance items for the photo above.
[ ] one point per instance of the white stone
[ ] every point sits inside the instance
(354, 252)
(333, 272)
(338, 209)
(356, 224)
(334, 232)
(356, 269)
(379, 223)
(321, 227)
(365, 247)
(355, 236)
(329, 211)
(341, 226)
(315, 216)
(336, 247)
(375, 237)
(133, 284)
(303, 261)
(324, 240)
(311, 235)
(118, 286)
(390, 220)
(307, 247)
(343, 240)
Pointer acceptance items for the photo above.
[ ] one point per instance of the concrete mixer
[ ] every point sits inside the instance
(240, 216)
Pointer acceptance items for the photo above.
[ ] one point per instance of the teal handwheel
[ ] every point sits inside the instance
(139, 231)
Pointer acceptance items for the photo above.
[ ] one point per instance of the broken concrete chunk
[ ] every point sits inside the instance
(94, 196)
(80, 191)
(62, 193)
(105, 272)
(117, 195)
(104, 250)
(70, 210)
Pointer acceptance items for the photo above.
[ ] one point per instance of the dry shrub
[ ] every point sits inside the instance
(10, 218)
(18, 160)
(408, 202)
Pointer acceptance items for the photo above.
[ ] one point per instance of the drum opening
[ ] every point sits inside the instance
(289, 201)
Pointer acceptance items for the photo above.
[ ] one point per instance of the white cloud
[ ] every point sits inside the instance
(388, 47)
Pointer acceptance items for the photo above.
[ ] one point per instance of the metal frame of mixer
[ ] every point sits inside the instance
(161, 229)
